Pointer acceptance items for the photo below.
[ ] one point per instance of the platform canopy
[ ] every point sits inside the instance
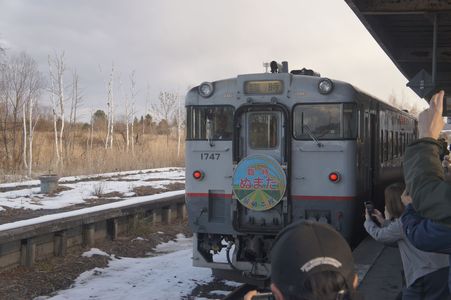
(405, 30)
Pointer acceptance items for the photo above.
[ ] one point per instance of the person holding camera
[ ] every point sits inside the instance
(424, 175)
(427, 218)
(425, 272)
(311, 261)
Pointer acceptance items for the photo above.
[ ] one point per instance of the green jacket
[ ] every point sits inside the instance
(424, 177)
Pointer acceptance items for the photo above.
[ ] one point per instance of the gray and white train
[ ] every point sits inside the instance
(264, 150)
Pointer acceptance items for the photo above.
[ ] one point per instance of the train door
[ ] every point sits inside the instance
(260, 176)
(262, 134)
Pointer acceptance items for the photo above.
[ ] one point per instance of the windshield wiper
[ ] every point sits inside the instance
(309, 132)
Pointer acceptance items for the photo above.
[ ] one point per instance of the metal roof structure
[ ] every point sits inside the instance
(415, 34)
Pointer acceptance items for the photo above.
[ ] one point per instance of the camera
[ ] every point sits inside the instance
(446, 106)
(264, 296)
(369, 207)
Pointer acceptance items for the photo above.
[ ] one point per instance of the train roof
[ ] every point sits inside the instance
(343, 91)
(404, 30)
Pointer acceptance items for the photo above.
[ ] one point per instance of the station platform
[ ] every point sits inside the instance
(380, 270)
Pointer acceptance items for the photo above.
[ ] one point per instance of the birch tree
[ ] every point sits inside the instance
(132, 112)
(18, 75)
(76, 99)
(127, 118)
(57, 69)
(110, 104)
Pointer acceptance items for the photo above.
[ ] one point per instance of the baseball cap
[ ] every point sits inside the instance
(305, 248)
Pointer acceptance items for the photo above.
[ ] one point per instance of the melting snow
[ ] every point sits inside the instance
(94, 251)
(169, 276)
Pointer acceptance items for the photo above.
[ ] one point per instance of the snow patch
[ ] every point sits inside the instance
(169, 276)
(29, 197)
(94, 251)
(139, 239)
(181, 242)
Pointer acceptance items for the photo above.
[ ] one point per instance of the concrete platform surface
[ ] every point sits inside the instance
(379, 268)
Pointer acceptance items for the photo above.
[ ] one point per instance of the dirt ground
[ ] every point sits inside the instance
(57, 273)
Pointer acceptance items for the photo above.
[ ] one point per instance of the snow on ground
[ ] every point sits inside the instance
(94, 251)
(92, 176)
(169, 276)
(122, 182)
(86, 210)
(171, 246)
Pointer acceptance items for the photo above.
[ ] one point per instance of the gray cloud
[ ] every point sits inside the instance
(173, 44)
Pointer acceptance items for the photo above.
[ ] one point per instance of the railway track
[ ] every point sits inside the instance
(24, 242)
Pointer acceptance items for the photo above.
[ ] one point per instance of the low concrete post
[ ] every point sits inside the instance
(133, 222)
(27, 252)
(88, 234)
(181, 211)
(49, 183)
(156, 216)
(166, 215)
(112, 228)
(60, 243)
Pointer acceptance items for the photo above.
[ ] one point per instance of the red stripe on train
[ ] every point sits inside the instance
(336, 198)
(227, 196)
(294, 197)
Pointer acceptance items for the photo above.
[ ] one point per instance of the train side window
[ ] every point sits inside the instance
(325, 121)
(350, 120)
(387, 145)
(390, 145)
(263, 130)
(218, 118)
(396, 145)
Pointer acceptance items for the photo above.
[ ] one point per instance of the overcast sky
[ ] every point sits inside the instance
(173, 44)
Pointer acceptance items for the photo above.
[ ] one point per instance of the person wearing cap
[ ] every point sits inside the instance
(311, 261)
(425, 272)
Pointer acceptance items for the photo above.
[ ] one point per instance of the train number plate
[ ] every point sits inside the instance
(210, 156)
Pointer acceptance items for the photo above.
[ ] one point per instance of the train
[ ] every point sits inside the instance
(267, 149)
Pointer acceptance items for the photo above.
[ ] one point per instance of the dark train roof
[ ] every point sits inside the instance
(404, 29)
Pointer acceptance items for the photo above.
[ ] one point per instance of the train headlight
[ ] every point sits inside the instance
(206, 89)
(325, 86)
(334, 177)
(198, 175)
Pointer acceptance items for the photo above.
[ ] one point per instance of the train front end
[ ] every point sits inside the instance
(262, 151)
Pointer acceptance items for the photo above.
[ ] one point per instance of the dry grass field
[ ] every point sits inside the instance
(150, 151)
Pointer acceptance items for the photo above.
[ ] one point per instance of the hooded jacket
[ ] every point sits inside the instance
(425, 181)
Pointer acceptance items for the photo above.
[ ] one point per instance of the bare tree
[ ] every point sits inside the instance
(132, 112)
(18, 76)
(179, 124)
(57, 68)
(146, 108)
(110, 103)
(5, 110)
(127, 117)
(165, 108)
(76, 100)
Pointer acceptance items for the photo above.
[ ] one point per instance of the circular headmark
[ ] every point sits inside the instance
(259, 182)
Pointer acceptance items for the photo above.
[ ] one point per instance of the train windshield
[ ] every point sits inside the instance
(208, 122)
(325, 121)
(263, 130)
